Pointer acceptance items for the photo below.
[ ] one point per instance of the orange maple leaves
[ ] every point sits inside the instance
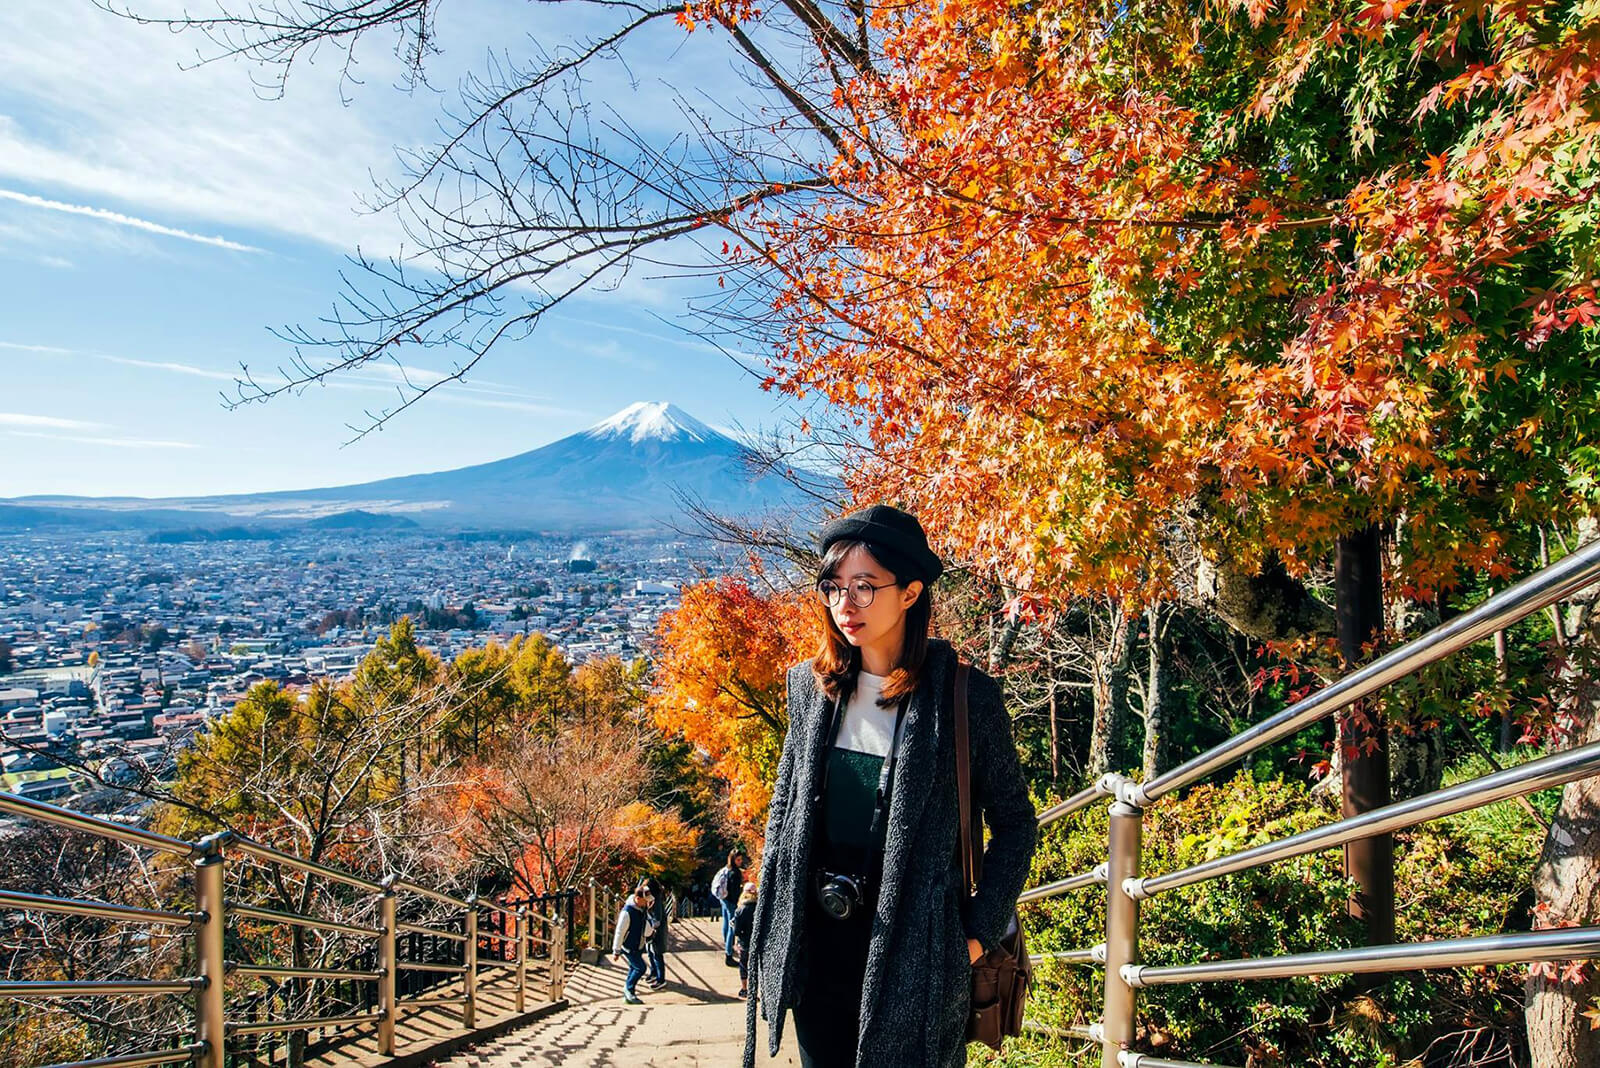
(1083, 317)
(720, 683)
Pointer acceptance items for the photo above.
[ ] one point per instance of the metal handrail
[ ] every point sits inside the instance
(104, 910)
(99, 988)
(1097, 877)
(101, 828)
(253, 912)
(439, 896)
(1516, 602)
(311, 1024)
(1559, 943)
(234, 840)
(430, 932)
(1528, 778)
(1126, 887)
(266, 971)
(207, 926)
(139, 1060)
(1129, 1059)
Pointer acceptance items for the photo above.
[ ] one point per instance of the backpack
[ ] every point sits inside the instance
(719, 885)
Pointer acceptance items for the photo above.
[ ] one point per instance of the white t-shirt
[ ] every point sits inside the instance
(867, 727)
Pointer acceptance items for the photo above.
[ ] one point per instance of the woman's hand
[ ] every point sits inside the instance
(974, 950)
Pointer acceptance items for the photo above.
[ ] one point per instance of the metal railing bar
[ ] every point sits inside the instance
(412, 966)
(540, 941)
(1560, 943)
(269, 972)
(1129, 1059)
(289, 860)
(312, 1024)
(1081, 800)
(431, 932)
(1537, 591)
(138, 1060)
(1535, 775)
(413, 888)
(99, 988)
(429, 1003)
(485, 963)
(1076, 1031)
(77, 821)
(1096, 877)
(1091, 955)
(12, 899)
(274, 916)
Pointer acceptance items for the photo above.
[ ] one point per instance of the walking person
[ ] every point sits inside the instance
(629, 943)
(725, 888)
(743, 920)
(656, 939)
(863, 927)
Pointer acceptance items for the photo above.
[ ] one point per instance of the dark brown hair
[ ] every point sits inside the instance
(837, 662)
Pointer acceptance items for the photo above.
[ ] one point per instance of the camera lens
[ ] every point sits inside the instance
(834, 902)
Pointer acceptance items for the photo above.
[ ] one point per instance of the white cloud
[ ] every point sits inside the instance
(20, 419)
(119, 219)
(121, 443)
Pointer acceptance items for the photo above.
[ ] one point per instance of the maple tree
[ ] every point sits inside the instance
(1281, 281)
(720, 683)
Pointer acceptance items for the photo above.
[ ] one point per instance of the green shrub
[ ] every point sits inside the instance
(1463, 876)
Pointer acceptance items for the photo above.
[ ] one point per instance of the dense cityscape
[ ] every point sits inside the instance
(123, 644)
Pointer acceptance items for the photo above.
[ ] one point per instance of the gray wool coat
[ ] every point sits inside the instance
(915, 1000)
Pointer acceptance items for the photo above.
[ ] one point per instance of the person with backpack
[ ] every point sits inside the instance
(864, 928)
(632, 922)
(725, 887)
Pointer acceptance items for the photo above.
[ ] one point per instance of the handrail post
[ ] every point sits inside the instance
(1123, 841)
(469, 1008)
(388, 964)
(210, 1008)
(522, 959)
(593, 943)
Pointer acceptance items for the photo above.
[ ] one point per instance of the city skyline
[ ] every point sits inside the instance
(155, 221)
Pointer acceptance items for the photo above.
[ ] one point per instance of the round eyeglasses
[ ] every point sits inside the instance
(861, 592)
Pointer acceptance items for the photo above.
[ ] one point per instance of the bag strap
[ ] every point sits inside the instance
(971, 858)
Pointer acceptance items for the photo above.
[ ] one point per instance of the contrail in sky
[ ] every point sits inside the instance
(122, 220)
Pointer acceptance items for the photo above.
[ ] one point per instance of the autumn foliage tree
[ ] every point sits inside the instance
(720, 683)
(1282, 281)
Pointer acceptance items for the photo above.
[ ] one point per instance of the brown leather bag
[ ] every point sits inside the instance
(1000, 978)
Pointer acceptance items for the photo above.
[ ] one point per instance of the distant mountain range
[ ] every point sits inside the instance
(629, 472)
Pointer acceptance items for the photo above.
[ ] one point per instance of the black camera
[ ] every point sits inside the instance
(841, 896)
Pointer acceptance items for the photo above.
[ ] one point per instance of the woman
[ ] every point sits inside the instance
(743, 921)
(862, 926)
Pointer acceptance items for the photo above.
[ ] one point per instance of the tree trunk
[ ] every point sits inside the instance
(1055, 735)
(1502, 677)
(1358, 591)
(1566, 886)
(1155, 698)
(1113, 662)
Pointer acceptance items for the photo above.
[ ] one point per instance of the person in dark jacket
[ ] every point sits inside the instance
(863, 929)
(655, 947)
(743, 920)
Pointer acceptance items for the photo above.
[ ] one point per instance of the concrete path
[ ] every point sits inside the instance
(697, 1019)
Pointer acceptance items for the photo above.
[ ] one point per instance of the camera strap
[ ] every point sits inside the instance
(877, 831)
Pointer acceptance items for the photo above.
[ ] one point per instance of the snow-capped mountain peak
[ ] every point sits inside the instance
(653, 421)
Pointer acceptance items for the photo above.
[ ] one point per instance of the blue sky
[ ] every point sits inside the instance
(156, 220)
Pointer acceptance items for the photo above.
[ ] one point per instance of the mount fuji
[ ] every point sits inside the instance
(629, 472)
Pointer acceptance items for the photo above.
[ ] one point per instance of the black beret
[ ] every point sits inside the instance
(891, 528)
